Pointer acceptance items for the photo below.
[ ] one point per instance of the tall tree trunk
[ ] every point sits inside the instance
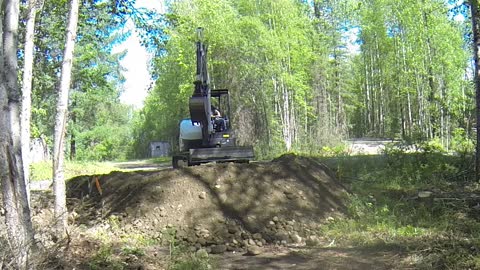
(476, 56)
(27, 91)
(73, 141)
(14, 192)
(61, 121)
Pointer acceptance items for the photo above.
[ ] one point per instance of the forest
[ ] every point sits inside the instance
(304, 77)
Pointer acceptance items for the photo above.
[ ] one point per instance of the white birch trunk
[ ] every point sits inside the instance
(286, 121)
(61, 120)
(27, 92)
(17, 210)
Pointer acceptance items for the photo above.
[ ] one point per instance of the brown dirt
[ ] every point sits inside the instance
(275, 207)
(250, 195)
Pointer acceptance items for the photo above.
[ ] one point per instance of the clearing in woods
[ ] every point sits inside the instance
(247, 216)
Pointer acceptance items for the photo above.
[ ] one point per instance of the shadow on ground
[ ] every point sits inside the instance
(299, 190)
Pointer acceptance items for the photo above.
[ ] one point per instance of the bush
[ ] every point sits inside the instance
(461, 143)
(182, 258)
(334, 151)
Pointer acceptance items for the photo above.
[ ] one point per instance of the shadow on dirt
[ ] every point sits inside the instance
(121, 193)
(290, 188)
(293, 189)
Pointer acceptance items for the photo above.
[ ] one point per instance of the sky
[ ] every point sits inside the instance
(136, 62)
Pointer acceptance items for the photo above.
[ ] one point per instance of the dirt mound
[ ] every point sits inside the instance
(219, 206)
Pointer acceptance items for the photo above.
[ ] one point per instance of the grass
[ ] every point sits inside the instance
(118, 250)
(182, 258)
(43, 170)
(114, 252)
(105, 258)
(441, 233)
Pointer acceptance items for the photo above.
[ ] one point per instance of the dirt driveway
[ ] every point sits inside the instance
(366, 146)
(303, 258)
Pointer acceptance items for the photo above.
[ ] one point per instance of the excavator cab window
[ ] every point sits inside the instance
(218, 120)
(220, 109)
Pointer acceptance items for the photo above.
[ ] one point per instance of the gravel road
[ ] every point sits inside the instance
(367, 146)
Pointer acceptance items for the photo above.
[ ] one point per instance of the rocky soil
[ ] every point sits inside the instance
(219, 207)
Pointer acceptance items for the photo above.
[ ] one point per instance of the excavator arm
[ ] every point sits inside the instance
(199, 104)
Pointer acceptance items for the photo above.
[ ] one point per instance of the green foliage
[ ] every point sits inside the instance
(182, 258)
(98, 125)
(114, 222)
(335, 151)
(105, 259)
(296, 82)
(103, 143)
(41, 171)
(411, 73)
(132, 250)
(432, 146)
(461, 143)
(386, 210)
(108, 258)
(265, 53)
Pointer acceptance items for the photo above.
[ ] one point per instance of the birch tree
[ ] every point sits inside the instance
(14, 192)
(61, 120)
(27, 91)
(476, 56)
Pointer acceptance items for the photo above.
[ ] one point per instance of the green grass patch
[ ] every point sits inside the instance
(43, 170)
(119, 251)
(105, 258)
(183, 258)
(442, 231)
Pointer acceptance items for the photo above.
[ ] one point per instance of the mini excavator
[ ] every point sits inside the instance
(208, 136)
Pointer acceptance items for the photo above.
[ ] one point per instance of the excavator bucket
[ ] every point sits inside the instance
(222, 154)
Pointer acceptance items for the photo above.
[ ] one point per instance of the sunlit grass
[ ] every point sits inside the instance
(384, 207)
(43, 170)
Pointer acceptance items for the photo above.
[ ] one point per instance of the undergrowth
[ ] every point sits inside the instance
(122, 252)
(184, 258)
(441, 231)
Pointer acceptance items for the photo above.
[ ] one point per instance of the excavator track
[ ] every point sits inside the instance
(237, 153)
(243, 154)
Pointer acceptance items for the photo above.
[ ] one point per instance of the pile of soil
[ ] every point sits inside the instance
(218, 207)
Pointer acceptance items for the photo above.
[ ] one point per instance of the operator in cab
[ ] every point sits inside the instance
(219, 121)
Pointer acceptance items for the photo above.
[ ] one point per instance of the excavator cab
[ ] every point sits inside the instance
(221, 103)
(222, 135)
